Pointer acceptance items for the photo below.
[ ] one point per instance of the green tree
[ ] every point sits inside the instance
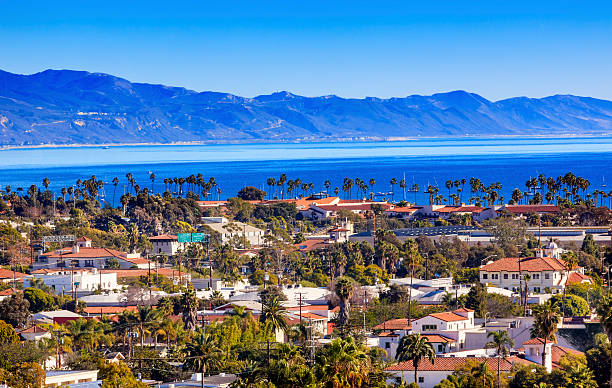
(502, 343)
(547, 318)
(189, 301)
(275, 315)
(344, 290)
(573, 305)
(15, 310)
(118, 375)
(343, 363)
(39, 300)
(413, 347)
(604, 311)
(203, 354)
(7, 334)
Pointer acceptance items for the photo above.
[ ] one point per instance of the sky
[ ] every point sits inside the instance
(498, 49)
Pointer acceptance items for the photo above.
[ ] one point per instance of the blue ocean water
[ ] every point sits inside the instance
(510, 161)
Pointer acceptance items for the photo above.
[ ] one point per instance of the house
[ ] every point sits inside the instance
(430, 374)
(222, 380)
(7, 276)
(546, 274)
(57, 316)
(534, 348)
(403, 212)
(7, 293)
(83, 255)
(34, 333)
(391, 332)
(114, 357)
(165, 244)
(229, 231)
(81, 281)
(478, 213)
(318, 212)
(62, 378)
(451, 324)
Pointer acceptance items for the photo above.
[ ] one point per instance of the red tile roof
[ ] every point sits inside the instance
(388, 334)
(464, 310)
(109, 309)
(8, 274)
(452, 363)
(526, 209)
(460, 209)
(448, 317)
(529, 264)
(33, 330)
(576, 277)
(8, 292)
(83, 239)
(435, 338)
(354, 208)
(311, 244)
(86, 252)
(164, 237)
(394, 324)
(557, 352)
(404, 209)
(534, 341)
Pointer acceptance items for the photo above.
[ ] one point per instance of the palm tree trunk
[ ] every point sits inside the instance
(415, 375)
(498, 381)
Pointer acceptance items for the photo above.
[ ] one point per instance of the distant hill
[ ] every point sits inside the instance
(77, 107)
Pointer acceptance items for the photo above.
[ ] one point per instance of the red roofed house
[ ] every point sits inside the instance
(391, 333)
(525, 210)
(451, 325)
(478, 213)
(545, 272)
(7, 276)
(83, 255)
(430, 374)
(324, 212)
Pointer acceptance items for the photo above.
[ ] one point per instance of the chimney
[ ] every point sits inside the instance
(75, 249)
(547, 362)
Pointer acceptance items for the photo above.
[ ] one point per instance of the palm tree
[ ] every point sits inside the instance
(203, 354)
(545, 325)
(411, 250)
(145, 317)
(502, 343)
(526, 278)
(275, 315)
(189, 301)
(343, 363)
(393, 182)
(344, 291)
(413, 347)
(604, 311)
(152, 177)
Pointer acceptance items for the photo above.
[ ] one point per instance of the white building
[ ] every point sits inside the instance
(166, 244)
(535, 347)
(546, 274)
(63, 378)
(229, 231)
(453, 325)
(67, 280)
(478, 213)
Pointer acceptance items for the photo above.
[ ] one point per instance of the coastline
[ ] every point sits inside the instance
(299, 141)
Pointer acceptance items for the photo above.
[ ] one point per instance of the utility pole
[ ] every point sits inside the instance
(149, 280)
(300, 294)
(365, 303)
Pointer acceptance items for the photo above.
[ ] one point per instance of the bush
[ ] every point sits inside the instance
(571, 305)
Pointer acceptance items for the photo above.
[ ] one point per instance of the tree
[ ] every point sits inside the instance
(118, 375)
(573, 305)
(502, 343)
(189, 301)
(251, 193)
(15, 310)
(604, 311)
(343, 363)
(344, 291)
(39, 300)
(7, 334)
(203, 354)
(275, 315)
(413, 347)
(590, 246)
(545, 325)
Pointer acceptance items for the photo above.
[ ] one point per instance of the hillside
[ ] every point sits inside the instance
(76, 107)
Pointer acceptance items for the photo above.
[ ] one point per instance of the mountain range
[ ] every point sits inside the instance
(78, 107)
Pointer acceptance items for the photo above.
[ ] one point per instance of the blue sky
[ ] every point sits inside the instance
(349, 48)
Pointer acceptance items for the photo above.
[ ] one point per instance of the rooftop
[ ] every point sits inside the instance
(530, 264)
(451, 363)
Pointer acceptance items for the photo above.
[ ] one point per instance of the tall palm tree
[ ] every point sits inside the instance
(413, 347)
(189, 301)
(393, 182)
(343, 363)
(204, 353)
(604, 311)
(411, 249)
(502, 343)
(545, 325)
(275, 315)
(344, 291)
(145, 317)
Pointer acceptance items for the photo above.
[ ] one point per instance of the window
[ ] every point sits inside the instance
(484, 276)
(505, 276)
(546, 276)
(440, 348)
(536, 275)
(536, 290)
(387, 345)
(421, 379)
(430, 327)
(515, 276)
(495, 276)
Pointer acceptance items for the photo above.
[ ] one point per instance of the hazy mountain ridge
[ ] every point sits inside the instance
(77, 107)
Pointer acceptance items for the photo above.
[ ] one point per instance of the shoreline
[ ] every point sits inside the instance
(303, 141)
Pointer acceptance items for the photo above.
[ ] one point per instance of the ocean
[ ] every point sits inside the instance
(511, 161)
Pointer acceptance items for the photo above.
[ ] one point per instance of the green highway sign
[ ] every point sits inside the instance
(192, 237)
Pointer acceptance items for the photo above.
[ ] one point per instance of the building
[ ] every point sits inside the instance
(222, 380)
(34, 333)
(391, 332)
(57, 316)
(7, 276)
(165, 244)
(62, 378)
(534, 348)
(526, 210)
(81, 281)
(547, 274)
(235, 230)
(83, 255)
(430, 374)
(478, 213)
(452, 325)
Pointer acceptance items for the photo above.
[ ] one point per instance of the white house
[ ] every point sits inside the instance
(452, 325)
(391, 332)
(535, 347)
(478, 213)
(66, 280)
(34, 333)
(62, 378)
(544, 272)
(83, 255)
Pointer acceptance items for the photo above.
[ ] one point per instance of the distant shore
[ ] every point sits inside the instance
(319, 140)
